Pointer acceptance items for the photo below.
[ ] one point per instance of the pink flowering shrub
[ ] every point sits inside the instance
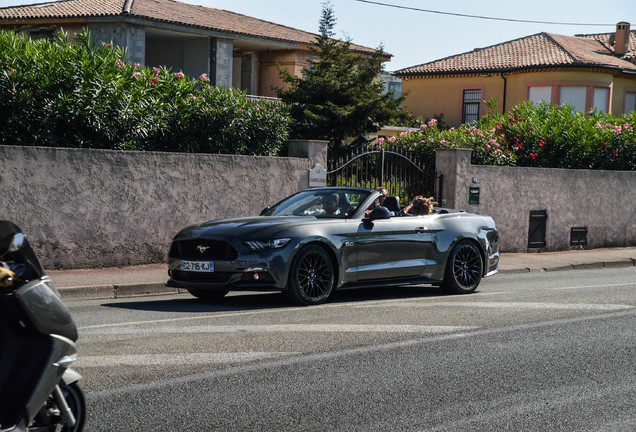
(534, 135)
(559, 137)
(89, 95)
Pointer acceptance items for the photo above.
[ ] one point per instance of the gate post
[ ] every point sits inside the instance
(449, 163)
(314, 150)
(382, 175)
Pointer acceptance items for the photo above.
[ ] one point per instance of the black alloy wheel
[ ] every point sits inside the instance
(311, 276)
(463, 269)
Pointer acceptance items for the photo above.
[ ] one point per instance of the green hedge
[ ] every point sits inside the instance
(80, 95)
(532, 135)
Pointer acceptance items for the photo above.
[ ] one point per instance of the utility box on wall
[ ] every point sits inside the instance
(578, 236)
(473, 195)
(537, 228)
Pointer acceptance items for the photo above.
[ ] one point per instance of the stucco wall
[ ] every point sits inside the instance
(602, 201)
(292, 60)
(428, 97)
(85, 208)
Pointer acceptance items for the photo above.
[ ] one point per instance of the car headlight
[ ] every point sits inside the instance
(257, 245)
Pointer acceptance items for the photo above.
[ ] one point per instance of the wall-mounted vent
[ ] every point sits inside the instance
(578, 236)
(537, 228)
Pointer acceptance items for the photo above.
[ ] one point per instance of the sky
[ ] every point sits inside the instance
(416, 37)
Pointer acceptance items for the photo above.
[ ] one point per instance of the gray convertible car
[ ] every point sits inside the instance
(321, 240)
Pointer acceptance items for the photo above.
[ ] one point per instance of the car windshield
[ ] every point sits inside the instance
(320, 203)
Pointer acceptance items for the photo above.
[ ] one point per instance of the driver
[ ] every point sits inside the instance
(330, 205)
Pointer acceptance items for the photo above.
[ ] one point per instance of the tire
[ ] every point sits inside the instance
(311, 276)
(205, 294)
(463, 268)
(74, 396)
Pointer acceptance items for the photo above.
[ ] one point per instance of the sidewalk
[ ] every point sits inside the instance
(151, 279)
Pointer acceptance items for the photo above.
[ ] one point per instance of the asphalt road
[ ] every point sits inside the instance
(537, 351)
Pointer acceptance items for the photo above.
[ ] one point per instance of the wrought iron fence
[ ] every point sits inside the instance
(397, 169)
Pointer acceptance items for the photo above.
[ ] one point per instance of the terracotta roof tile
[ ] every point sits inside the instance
(64, 9)
(167, 11)
(604, 38)
(539, 50)
(217, 19)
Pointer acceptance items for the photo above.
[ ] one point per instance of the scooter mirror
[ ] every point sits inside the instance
(16, 242)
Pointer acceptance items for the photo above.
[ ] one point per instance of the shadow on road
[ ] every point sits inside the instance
(240, 301)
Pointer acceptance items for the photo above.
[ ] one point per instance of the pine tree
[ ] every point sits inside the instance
(339, 96)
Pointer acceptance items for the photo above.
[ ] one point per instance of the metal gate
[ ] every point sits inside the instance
(400, 171)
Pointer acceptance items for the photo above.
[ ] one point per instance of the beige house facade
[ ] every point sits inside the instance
(234, 50)
(585, 71)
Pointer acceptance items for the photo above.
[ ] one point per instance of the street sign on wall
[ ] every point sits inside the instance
(317, 176)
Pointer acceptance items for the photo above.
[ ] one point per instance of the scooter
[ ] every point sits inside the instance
(38, 390)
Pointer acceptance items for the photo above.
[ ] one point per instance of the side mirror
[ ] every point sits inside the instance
(380, 213)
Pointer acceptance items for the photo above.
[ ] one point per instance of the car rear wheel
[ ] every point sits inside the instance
(311, 276)
(204, 294)
(463, 269)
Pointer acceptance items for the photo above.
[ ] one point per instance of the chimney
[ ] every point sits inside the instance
(621, 38)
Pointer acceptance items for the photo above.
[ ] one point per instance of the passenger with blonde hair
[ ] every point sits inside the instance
(420, 206)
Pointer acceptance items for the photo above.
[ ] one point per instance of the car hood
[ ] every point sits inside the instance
(248, 227)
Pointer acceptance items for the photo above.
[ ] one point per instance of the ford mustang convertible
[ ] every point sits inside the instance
(321, 240)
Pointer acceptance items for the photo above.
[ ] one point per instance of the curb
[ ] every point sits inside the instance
(115, 291)
(587, 266)
(96, 292)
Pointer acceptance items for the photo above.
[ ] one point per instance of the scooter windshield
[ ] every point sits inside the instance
(17, 255)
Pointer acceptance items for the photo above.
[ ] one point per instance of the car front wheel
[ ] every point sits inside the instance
(311, 276)
(463, 269)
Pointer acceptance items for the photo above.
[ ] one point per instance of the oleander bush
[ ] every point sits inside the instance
(533, 135)
(85, 95)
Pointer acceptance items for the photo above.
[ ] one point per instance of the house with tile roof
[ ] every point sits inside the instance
(235, 50)
(596, 71)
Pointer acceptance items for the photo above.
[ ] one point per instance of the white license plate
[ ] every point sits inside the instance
(197, 266)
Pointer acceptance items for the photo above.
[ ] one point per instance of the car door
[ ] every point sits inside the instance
(398, 247)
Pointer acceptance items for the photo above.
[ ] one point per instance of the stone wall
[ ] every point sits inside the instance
(221, 59)
(601, 201)
(123, 35)
(98, 208)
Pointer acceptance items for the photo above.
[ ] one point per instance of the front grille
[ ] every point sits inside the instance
(203, 249)
(212, 277)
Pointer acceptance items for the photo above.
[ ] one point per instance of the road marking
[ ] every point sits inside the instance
(176, 359)
(332, 355)
(330, 328)
(514, 305)
(629, 424)
(500, 411)
(594, 286)
(269, 311)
